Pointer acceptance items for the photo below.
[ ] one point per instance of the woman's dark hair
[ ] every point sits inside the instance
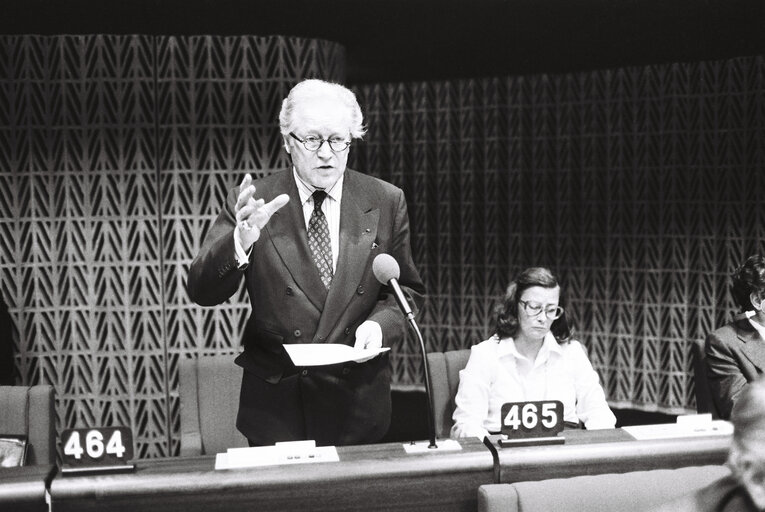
(506, 313)
(747, 279)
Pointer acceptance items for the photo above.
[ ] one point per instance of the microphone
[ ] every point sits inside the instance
(387, 272)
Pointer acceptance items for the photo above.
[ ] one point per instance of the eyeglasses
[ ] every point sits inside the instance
(534, 308)
(312, 143)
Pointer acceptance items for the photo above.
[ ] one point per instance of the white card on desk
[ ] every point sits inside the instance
(295, 452)
(676, 430)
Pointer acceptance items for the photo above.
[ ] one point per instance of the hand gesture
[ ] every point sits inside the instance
(253, 214)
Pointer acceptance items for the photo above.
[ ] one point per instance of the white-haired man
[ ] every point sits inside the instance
(303, 239)
(744, 488)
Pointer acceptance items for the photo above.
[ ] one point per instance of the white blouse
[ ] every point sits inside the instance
(497, 373)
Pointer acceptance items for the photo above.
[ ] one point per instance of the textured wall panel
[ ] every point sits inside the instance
(642, 187)
(115, 156)
(81, 260)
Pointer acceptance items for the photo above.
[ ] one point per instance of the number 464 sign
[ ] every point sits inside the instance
(97, 449)
(525, 420)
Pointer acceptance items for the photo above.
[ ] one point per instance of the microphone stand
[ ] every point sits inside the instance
(428, 389)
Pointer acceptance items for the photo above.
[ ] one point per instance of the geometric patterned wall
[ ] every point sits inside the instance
(642, 187)
(115, 156)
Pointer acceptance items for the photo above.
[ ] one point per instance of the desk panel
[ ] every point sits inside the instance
(373, 477)
(23, 489)
(607, 451)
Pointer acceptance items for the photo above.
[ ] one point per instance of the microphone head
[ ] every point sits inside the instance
(385, 268)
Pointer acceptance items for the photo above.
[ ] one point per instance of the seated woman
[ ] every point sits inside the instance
(736, 351)
(531, 357)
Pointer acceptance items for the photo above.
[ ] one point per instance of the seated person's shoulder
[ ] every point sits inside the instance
(574, 348)
(487, 350)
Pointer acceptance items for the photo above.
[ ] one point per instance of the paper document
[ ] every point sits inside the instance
(319, 354)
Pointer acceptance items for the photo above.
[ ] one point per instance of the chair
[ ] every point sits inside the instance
(444, 373)
(30, 411)
(625, 492)
(704, 401)
(209, 395)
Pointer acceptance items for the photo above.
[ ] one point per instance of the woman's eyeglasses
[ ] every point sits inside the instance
(534, 308)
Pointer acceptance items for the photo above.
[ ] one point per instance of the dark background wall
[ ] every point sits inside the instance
(401, 40)
(619, 142)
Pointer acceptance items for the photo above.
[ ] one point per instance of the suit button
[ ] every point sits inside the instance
(346, 370)
(347, 331)
(297, 333)
(289, 290)
(304, 373)
(321, 338)
(360, 290)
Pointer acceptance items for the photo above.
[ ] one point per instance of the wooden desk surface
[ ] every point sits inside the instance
(23, 489)
(607, 451)
(372, 477)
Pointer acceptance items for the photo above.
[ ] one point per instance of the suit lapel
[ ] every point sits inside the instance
(358, 230)
(288, 234)
(753, 345)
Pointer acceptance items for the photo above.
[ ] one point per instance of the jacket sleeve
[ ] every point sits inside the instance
(725, 378)
(214, 275)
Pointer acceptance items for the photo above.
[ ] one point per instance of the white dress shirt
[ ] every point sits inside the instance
(330, 207)
(497, 373)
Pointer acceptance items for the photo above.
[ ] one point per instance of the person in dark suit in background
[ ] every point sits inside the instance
(744, 489)
(304, 239)
(7, 367)
(736, 351)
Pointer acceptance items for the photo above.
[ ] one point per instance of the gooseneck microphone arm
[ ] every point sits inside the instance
(386, 270)
(428, 389)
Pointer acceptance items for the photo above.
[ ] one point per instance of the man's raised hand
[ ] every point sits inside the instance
(253, 214)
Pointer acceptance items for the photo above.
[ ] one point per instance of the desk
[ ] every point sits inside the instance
(607, 451)
(371, 477)
(23, 489)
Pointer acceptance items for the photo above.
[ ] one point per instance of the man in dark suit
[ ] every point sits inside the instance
(736, 351)
(305, 248)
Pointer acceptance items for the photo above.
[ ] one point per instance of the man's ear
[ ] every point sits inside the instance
(756, 301)
(286, 144)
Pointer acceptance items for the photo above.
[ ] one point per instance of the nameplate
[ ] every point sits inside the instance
(97, 449)
(525, 420)
(292, 452)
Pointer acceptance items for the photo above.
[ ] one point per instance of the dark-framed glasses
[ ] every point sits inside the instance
(534, 308)
(312, 143)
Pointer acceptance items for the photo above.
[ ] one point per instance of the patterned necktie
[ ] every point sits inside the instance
(318, 239)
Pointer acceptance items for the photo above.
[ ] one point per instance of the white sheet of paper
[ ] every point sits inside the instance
(319, 354)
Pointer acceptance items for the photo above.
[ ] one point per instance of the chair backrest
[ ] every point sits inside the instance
(209, 395)
(704, 401)
(30, 411)
(444, 372)
(625, 492)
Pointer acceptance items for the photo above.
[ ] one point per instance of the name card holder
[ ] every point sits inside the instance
(531, 423)
(97, 450)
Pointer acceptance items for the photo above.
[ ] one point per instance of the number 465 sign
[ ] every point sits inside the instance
(93, 449)
(532, 419)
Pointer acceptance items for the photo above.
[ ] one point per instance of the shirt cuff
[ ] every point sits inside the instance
(242, 258)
